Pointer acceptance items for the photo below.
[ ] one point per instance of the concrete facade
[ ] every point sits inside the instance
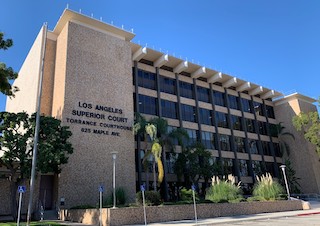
(95, 79)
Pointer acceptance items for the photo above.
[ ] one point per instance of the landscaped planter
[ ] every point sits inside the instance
(134, 215)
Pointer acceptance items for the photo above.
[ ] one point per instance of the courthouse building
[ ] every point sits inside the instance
(94, 80)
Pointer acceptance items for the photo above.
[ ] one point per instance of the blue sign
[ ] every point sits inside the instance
(142, 188)
(193, 187)
(22, 189)
(101, 189)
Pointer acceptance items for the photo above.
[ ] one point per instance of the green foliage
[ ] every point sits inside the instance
(121, 197)
(16, 143)
(224, 190)
(6, 73)
(187, 195)
(194, 164)
(293, 181)
(278, 130)
(309, 124)
(266, 189)
(152, 198)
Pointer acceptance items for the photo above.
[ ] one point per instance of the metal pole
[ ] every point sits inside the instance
(144, 208)
(100, 219)
(283, 167)
(195, 206)
(114, 156)
(19, 208)
(36, 133)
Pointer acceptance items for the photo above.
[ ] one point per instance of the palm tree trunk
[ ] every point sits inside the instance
(154, 176)
(165, 182)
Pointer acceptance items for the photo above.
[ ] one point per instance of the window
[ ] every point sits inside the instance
(170, 161)
(270, 168)
(221, 119)
(262, 128)
(243, 167)
(169, 130)
(188, 113)
(203, 94)
(258, 107)
(192, 136)
(219, 98)
(233, 102)
(239, 144)
(224, 141)
(273, 130)
(167, 85)
(148, 105)
(270, 111)
(205, 116)
(276, 148)
(253, 146)
(250, 125)
(146, 79)
(257, 167)
(169, 109)
(186, 90)
(236, 122)
(266, 148)
(246, 105)
(227, 165)
(207, 139)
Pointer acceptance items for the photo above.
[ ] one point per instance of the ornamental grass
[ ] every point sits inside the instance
(266, 188)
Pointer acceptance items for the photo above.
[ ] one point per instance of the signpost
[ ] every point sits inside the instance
(142, 188)
(193, 187)
(101, 189)
(21, 190)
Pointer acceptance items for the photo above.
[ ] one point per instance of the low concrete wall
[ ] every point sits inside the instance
(134, 215)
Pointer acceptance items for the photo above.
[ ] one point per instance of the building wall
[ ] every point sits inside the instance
(94, 69)
(302, 154)
(27, 80)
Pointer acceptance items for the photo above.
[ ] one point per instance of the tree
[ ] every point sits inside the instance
(17, 145)
(279, 131)
(6, 73)
(194, 164)
(309, 124)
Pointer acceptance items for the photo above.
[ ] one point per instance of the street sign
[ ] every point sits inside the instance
(22, 189)
(142, 188)
(193, 187)
(101, 189)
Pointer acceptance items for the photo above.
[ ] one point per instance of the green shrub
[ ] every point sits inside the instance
(266, 189)
(187, 195)
(152, 198)
(121, 198)
(224, 190)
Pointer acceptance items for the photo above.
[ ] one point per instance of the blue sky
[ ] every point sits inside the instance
(273, 43)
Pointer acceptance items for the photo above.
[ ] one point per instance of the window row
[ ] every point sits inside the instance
(168, 85)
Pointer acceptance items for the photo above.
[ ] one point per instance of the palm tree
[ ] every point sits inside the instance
(167, 139)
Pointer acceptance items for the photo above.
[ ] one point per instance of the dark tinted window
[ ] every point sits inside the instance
(221, 119)
(250, 125)
(224, 141)
(186, 90)
(147, 79)
(167, 85)
(219, 98)
(207, 139)
(203, 94)
(148, 105)
(239, 144)
(205, 116)
(262, 128)
(270, 111)
(258, 107)
(169, 109)
(246, 105)
(233, 102)
(188, 113)
(236, 122)
(266, 148)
